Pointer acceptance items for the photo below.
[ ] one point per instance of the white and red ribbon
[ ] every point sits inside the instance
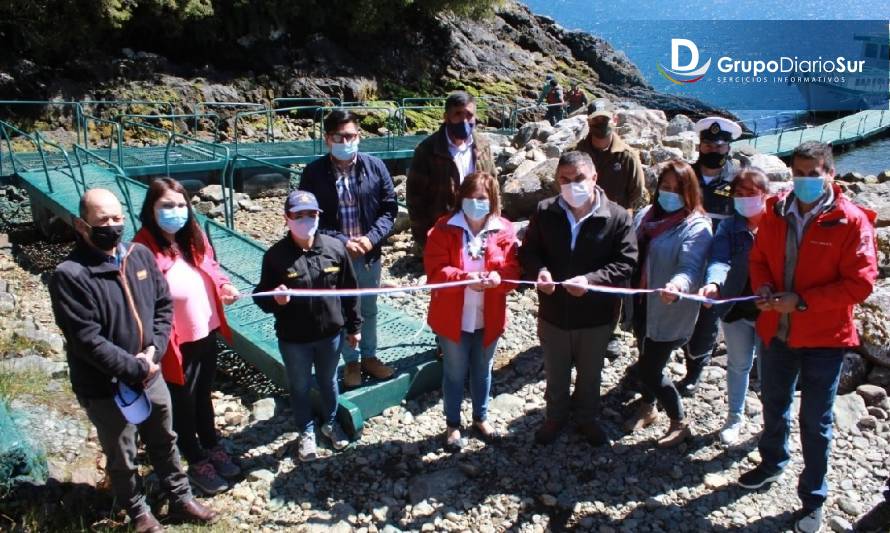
(620, 291)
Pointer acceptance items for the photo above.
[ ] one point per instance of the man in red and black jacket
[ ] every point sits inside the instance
(813, 260)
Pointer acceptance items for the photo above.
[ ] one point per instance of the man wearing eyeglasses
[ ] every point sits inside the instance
(356, 195)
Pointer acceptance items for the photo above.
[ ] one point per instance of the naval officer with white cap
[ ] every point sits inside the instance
(715, 171)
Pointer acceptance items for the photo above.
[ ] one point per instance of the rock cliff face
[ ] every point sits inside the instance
(505, 55)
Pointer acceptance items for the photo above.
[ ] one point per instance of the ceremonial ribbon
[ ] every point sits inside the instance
(621, 291)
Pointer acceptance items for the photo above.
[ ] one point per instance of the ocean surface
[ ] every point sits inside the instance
(643, 29)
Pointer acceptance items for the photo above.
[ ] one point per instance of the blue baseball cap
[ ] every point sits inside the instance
(301, 201)
(133, 403)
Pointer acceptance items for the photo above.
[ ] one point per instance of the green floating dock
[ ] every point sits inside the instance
(846, 130)
(56, 192)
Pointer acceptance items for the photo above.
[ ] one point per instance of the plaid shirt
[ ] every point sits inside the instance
(346, 193)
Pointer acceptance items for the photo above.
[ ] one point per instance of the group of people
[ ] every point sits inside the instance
(808, 255)
(559, 103)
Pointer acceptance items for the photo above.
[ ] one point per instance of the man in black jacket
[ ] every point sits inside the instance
(579, 238)
(113, 306)
(358, 207)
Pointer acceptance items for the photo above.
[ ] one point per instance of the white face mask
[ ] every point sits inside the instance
(576, 193)
(303, 227)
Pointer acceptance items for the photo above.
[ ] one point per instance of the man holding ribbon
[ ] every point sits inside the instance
(579, 238)
(814, 259)
(358, 208)
(113, 306)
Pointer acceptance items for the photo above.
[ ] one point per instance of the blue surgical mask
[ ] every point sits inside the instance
(344, 151)
(303, 227)
(173, 219)
(670, 201)
(475, 209)
(808, 190)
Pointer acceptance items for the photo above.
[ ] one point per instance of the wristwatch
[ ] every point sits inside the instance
(801, 305)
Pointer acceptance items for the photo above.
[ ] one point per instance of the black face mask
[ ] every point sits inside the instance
(106, 237)
(712, 159)
(460, 130)
(601, 131)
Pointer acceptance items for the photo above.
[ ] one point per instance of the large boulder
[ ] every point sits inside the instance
(775, 168)
(877, 198)
(532, 130)
(686, 142)
(522, 192)
(680, 124)
(848, 409)
(873, 322)
(642, 123)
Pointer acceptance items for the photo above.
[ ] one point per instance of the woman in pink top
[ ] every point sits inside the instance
(199, 289)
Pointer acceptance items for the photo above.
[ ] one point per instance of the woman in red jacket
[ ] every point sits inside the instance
(473, 242)
(199, 289)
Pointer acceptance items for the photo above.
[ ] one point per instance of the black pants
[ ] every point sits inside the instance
(193, 416)
(654, 356)
(704, 337)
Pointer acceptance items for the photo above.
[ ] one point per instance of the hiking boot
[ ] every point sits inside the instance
(645, 416)
(193, 511)
(878, 519)
(758, 477)
(548, 431)
(677, 432)
(732, 430)
(352, 375)
(375, 368)
(593, 434)
(146, 523)
(614, 349)
(336, 435)
(306, 450)
(223, 463)
(204, 477)
(808, 520)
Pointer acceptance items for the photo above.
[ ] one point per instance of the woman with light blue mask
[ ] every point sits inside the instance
(472, 243)
(727, 277)
(199, 289)
(674, 237)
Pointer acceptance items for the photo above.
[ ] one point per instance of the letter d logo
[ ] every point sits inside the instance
(688, 73)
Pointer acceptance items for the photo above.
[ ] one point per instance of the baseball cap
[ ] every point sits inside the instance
(133, 404)
(301, 201)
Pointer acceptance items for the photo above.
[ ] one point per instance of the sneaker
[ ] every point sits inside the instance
(376, 369)
(645, 416)
(732, 430)
(307, 449)
(677, 433)
(593, 434)
(808, 521)
(878, 519)
(548, 431)
(204, 477)
(352, 375)
(689, 384)
(336, 435)
(223, 463)
(758, 477)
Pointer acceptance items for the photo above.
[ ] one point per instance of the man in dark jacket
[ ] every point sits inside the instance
(113, 306)
(358, 203)
(442, 161)
(578, 238)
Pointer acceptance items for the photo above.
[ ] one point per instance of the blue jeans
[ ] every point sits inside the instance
(368, 277)
(299, 358)
(819, 371)
(742, 343)
(458, 358)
